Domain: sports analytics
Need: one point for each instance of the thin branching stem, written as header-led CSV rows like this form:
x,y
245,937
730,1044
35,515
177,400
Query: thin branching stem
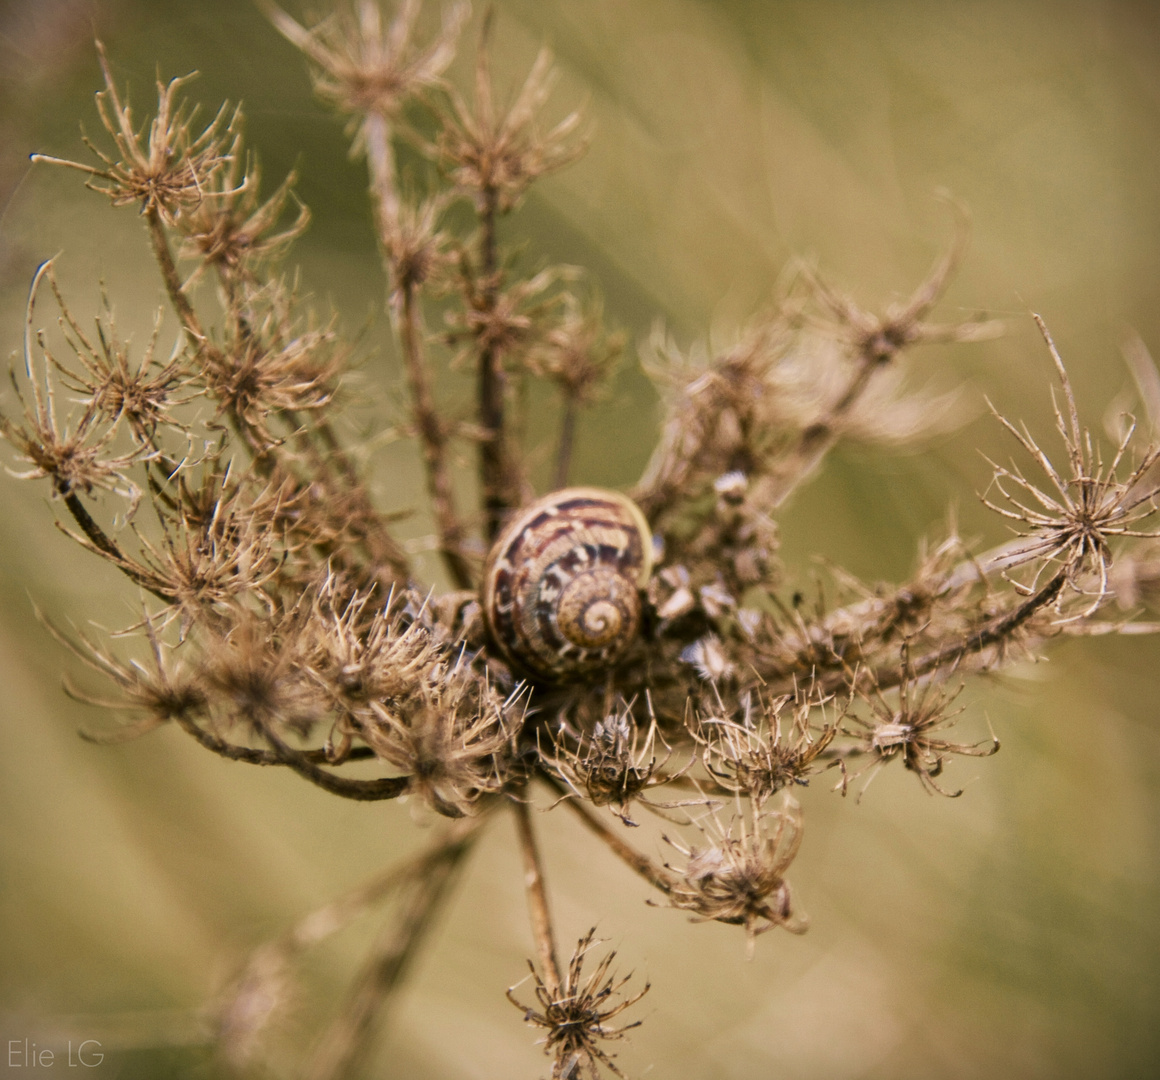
x,y
172,279
996,632
103,542
387,787
349,1037
163,253
381,164
430,428
253,755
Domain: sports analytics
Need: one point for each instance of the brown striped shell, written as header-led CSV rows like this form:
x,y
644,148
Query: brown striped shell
x,y
561,587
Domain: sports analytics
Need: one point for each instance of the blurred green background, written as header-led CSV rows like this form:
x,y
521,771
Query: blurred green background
x,y
1014,932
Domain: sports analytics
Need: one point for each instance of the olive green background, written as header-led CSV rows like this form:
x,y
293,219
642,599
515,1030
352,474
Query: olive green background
x,y
1012,932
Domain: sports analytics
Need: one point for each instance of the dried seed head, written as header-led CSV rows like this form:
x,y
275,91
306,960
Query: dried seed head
x,y
576,1016
1074,519
254,676
165,169
614,765
908,730
363,67
75,455
757,755
451,731
416,249
738,875
877,339
274,360
494,155
365,651
168,689
233,230
577,353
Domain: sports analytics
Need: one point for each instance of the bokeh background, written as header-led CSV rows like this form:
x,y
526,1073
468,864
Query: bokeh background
x,y
1013,932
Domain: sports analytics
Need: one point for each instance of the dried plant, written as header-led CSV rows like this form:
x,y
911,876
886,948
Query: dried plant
x,y
284,625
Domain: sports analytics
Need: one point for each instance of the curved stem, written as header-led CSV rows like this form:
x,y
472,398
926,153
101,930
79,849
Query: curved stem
x,y
103,543
387,787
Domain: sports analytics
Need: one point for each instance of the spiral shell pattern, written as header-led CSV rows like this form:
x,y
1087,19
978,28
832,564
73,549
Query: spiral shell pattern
x,y
561,588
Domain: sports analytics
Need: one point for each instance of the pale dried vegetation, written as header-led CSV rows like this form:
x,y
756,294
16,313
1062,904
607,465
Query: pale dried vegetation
x,y
283,624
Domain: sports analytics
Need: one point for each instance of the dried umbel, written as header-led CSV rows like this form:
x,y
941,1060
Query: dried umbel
x,y
736,874
575,1012
615,764
561,588
285,624
764,751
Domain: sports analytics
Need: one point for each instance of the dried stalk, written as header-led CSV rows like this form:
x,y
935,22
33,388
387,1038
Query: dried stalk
x,y
492,389
432,438
641,864
538,909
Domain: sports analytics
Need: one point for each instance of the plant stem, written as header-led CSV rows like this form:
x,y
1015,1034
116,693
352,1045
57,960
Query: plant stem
x,y
429,426
567,439
387,787
101,541
537,897
381,164
169,275
634,859
994,632
491,389
432,437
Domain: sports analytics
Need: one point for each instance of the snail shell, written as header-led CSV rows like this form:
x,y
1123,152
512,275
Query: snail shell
x,y
561,586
